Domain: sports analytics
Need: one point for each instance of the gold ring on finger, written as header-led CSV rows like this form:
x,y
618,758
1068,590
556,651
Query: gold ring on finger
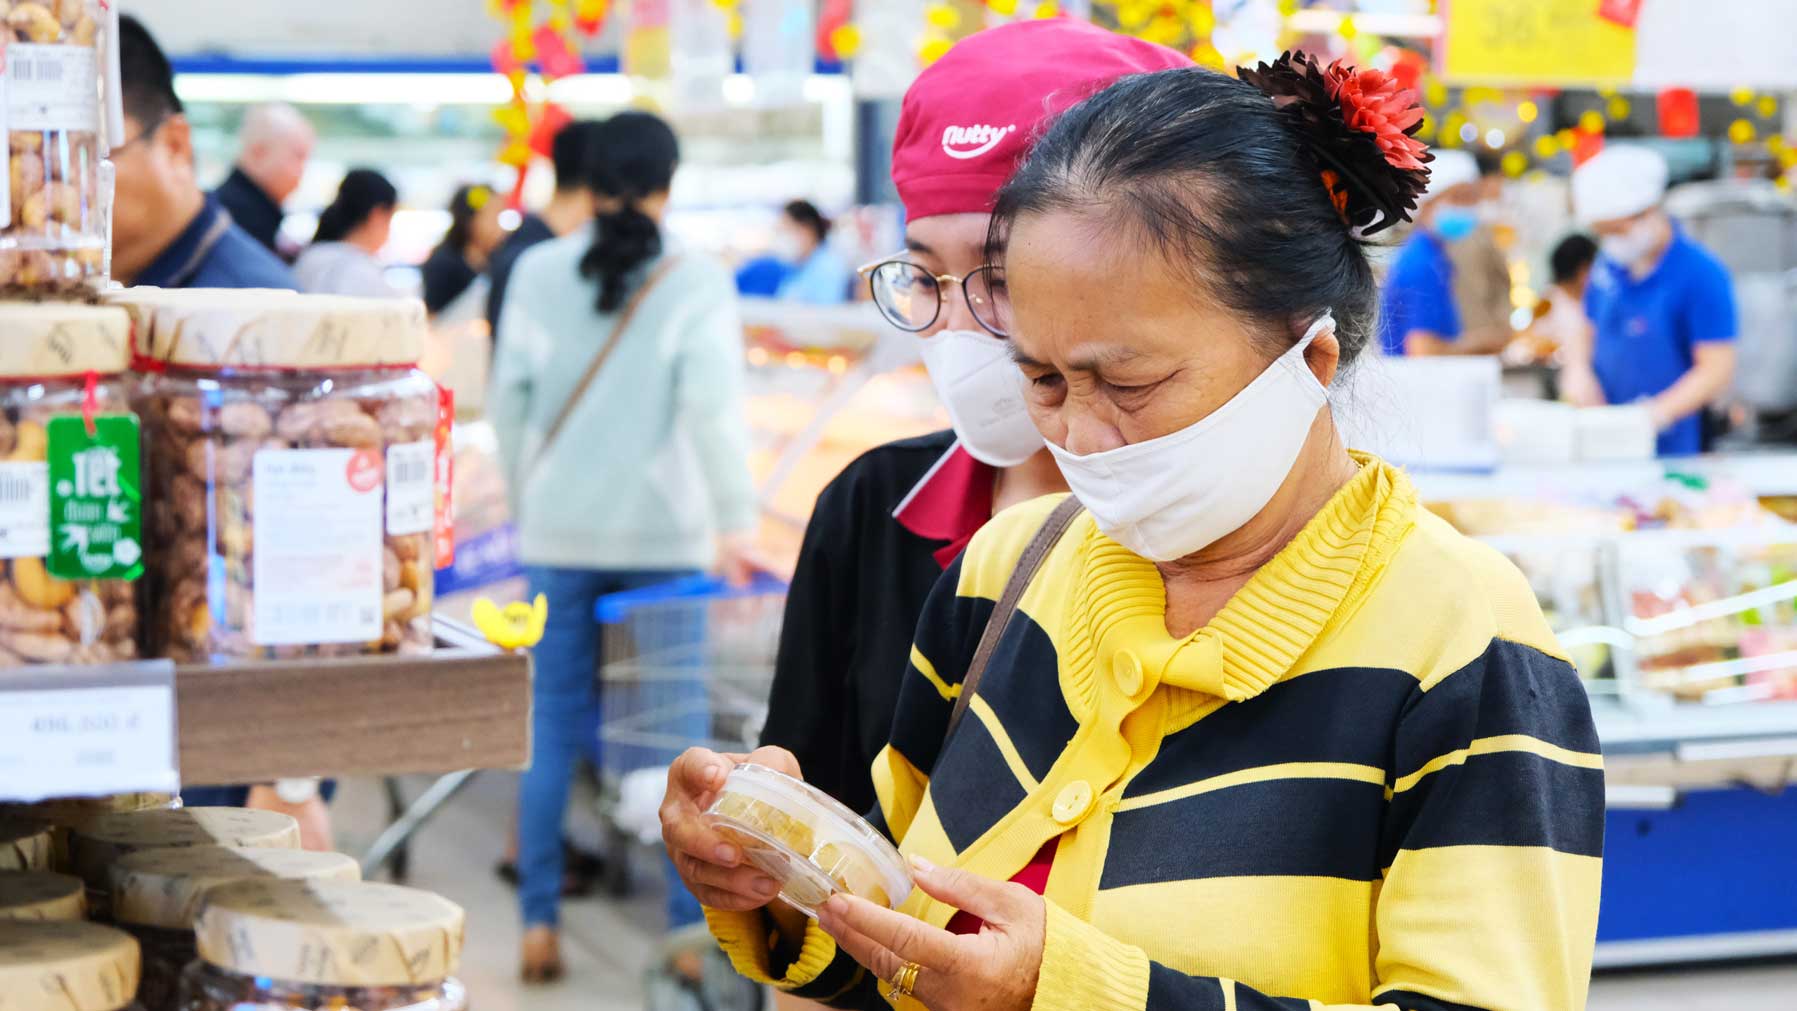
x,y
904,980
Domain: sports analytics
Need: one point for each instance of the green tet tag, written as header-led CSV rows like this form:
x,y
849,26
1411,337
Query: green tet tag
x,y
96,498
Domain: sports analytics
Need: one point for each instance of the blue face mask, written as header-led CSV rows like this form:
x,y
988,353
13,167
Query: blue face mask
x,y
1456,223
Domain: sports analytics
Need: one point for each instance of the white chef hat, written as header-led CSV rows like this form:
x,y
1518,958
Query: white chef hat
x,y
1450,168
1620,182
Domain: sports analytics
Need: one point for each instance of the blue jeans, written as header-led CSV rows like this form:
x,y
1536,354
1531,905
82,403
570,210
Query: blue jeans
x,y
565,727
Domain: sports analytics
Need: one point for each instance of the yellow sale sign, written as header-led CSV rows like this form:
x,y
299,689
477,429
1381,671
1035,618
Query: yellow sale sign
x,y
1535,42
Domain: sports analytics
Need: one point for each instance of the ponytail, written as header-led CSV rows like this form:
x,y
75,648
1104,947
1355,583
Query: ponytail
x,y
362,192
634,157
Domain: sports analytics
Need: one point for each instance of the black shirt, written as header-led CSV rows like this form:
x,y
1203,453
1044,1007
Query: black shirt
x,y
529,232
446,275
878,540
254,211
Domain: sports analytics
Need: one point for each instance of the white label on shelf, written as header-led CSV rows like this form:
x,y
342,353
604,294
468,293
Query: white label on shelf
x,y
411,494
318,546
24,510
83,731
52,87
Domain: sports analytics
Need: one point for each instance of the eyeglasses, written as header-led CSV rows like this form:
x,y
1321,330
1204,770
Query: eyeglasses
x,y
146,133
910,297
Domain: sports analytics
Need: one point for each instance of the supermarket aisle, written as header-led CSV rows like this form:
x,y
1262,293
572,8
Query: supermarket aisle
x,y
607,944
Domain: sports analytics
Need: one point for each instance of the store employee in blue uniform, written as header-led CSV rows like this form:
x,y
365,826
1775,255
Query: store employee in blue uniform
x,y
1662,307
1417,312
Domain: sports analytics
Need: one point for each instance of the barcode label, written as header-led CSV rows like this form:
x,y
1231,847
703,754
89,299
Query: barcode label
x,y
313,614
51,87
411,490
24,510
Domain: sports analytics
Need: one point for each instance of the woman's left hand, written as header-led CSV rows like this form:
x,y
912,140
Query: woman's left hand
x,y
994,970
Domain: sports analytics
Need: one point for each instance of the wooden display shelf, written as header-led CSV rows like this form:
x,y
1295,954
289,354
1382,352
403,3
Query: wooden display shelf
x,y
466,706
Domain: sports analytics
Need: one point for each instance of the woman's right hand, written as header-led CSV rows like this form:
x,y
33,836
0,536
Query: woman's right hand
x,y
712,866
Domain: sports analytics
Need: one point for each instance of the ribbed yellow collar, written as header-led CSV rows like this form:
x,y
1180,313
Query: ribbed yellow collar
x,y
1119,606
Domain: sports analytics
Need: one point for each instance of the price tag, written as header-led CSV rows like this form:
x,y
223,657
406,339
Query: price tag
x,y
96,498
86,731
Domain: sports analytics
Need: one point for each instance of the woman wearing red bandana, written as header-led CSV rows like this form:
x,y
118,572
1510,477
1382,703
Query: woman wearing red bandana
x,y
1262,733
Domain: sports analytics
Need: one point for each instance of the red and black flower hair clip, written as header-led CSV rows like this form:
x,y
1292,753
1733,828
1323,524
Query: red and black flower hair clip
x,y
1362,127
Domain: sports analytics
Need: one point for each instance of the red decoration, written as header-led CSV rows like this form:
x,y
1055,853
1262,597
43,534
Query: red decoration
x,y
833,15
554,55
549,123
505,59
1622,12
1678,113
1586,145
514,201
1372,103
1408,68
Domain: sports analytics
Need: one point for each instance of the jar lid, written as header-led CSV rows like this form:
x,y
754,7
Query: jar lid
x,y
332,933
41,895
162,887
24,844
236,328
78,810
97,845
66,966
62,339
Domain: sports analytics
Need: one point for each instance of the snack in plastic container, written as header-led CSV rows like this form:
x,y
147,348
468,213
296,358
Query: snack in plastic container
x,y
323,945
805,840
41,895
156,895
293,452
66,361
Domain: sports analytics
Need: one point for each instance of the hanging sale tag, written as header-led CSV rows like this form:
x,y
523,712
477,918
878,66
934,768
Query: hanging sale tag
x,y
84,731
96,498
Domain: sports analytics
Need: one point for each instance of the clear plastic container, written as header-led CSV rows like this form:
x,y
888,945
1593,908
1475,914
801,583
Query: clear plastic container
x,y
156,895
54,210
807,841
293,450
59,361
325,946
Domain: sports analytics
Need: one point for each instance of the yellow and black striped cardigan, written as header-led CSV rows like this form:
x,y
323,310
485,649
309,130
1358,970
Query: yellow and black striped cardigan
x,y
1371,780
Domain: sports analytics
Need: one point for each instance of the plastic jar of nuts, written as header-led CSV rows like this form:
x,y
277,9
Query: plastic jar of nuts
x,y
53,212
41,895
156,896
324,946
293,452
57,965
69,461
95,846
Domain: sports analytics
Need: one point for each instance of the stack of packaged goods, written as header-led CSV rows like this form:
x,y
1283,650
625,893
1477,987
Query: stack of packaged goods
x,y
201,908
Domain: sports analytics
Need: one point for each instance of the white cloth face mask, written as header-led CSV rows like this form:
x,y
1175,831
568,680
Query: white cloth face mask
x,y
1169,497
1631,248
982,388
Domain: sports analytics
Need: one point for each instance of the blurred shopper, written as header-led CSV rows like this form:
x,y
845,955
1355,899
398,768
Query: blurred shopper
x,y
277,142
884,530
1481,272
1662,307
1563,323
344,257
166,231
569,209
169,233
802,241
1420,315
618,399
454,267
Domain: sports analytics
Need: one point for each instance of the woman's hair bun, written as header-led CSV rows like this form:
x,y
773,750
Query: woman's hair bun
x,y
1361,127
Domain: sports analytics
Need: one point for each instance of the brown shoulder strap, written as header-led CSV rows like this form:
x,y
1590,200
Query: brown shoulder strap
x,y
1046,538
611,341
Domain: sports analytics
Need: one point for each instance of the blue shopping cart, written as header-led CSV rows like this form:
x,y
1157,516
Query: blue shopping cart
x,y
683,664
